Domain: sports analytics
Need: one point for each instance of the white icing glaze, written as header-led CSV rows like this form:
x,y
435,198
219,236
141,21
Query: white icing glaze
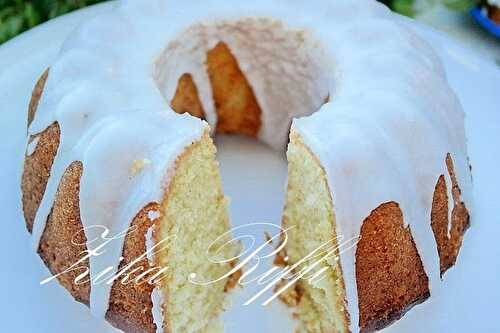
x,y
382,137
153,214
32,146
157,311
156,296
451,203
149,242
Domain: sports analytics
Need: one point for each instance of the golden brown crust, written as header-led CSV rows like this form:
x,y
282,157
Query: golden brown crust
x,y
37,165
36,95
130,307
37,171
236,105
389,272
186,98
58,245
448,246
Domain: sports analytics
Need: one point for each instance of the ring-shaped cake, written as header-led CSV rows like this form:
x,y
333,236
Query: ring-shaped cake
x,y
377,154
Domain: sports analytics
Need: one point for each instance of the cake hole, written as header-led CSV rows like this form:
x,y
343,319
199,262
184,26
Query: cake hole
x,y
250,76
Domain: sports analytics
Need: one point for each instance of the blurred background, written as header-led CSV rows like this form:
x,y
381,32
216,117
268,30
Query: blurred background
x,y
474,22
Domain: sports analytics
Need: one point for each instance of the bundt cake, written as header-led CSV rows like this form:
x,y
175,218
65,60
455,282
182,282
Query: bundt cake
x,y
379,181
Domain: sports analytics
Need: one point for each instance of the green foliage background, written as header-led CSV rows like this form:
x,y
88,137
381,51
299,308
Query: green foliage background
x,y
17,16
408,8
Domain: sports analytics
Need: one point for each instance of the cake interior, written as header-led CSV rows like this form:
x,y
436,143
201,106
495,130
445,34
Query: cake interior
x,y
310,222
196,215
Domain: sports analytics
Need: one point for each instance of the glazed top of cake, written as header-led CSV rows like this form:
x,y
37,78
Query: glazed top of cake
x,y
390,119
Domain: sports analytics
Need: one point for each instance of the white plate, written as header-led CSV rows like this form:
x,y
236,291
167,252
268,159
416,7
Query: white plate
x,y
254,177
